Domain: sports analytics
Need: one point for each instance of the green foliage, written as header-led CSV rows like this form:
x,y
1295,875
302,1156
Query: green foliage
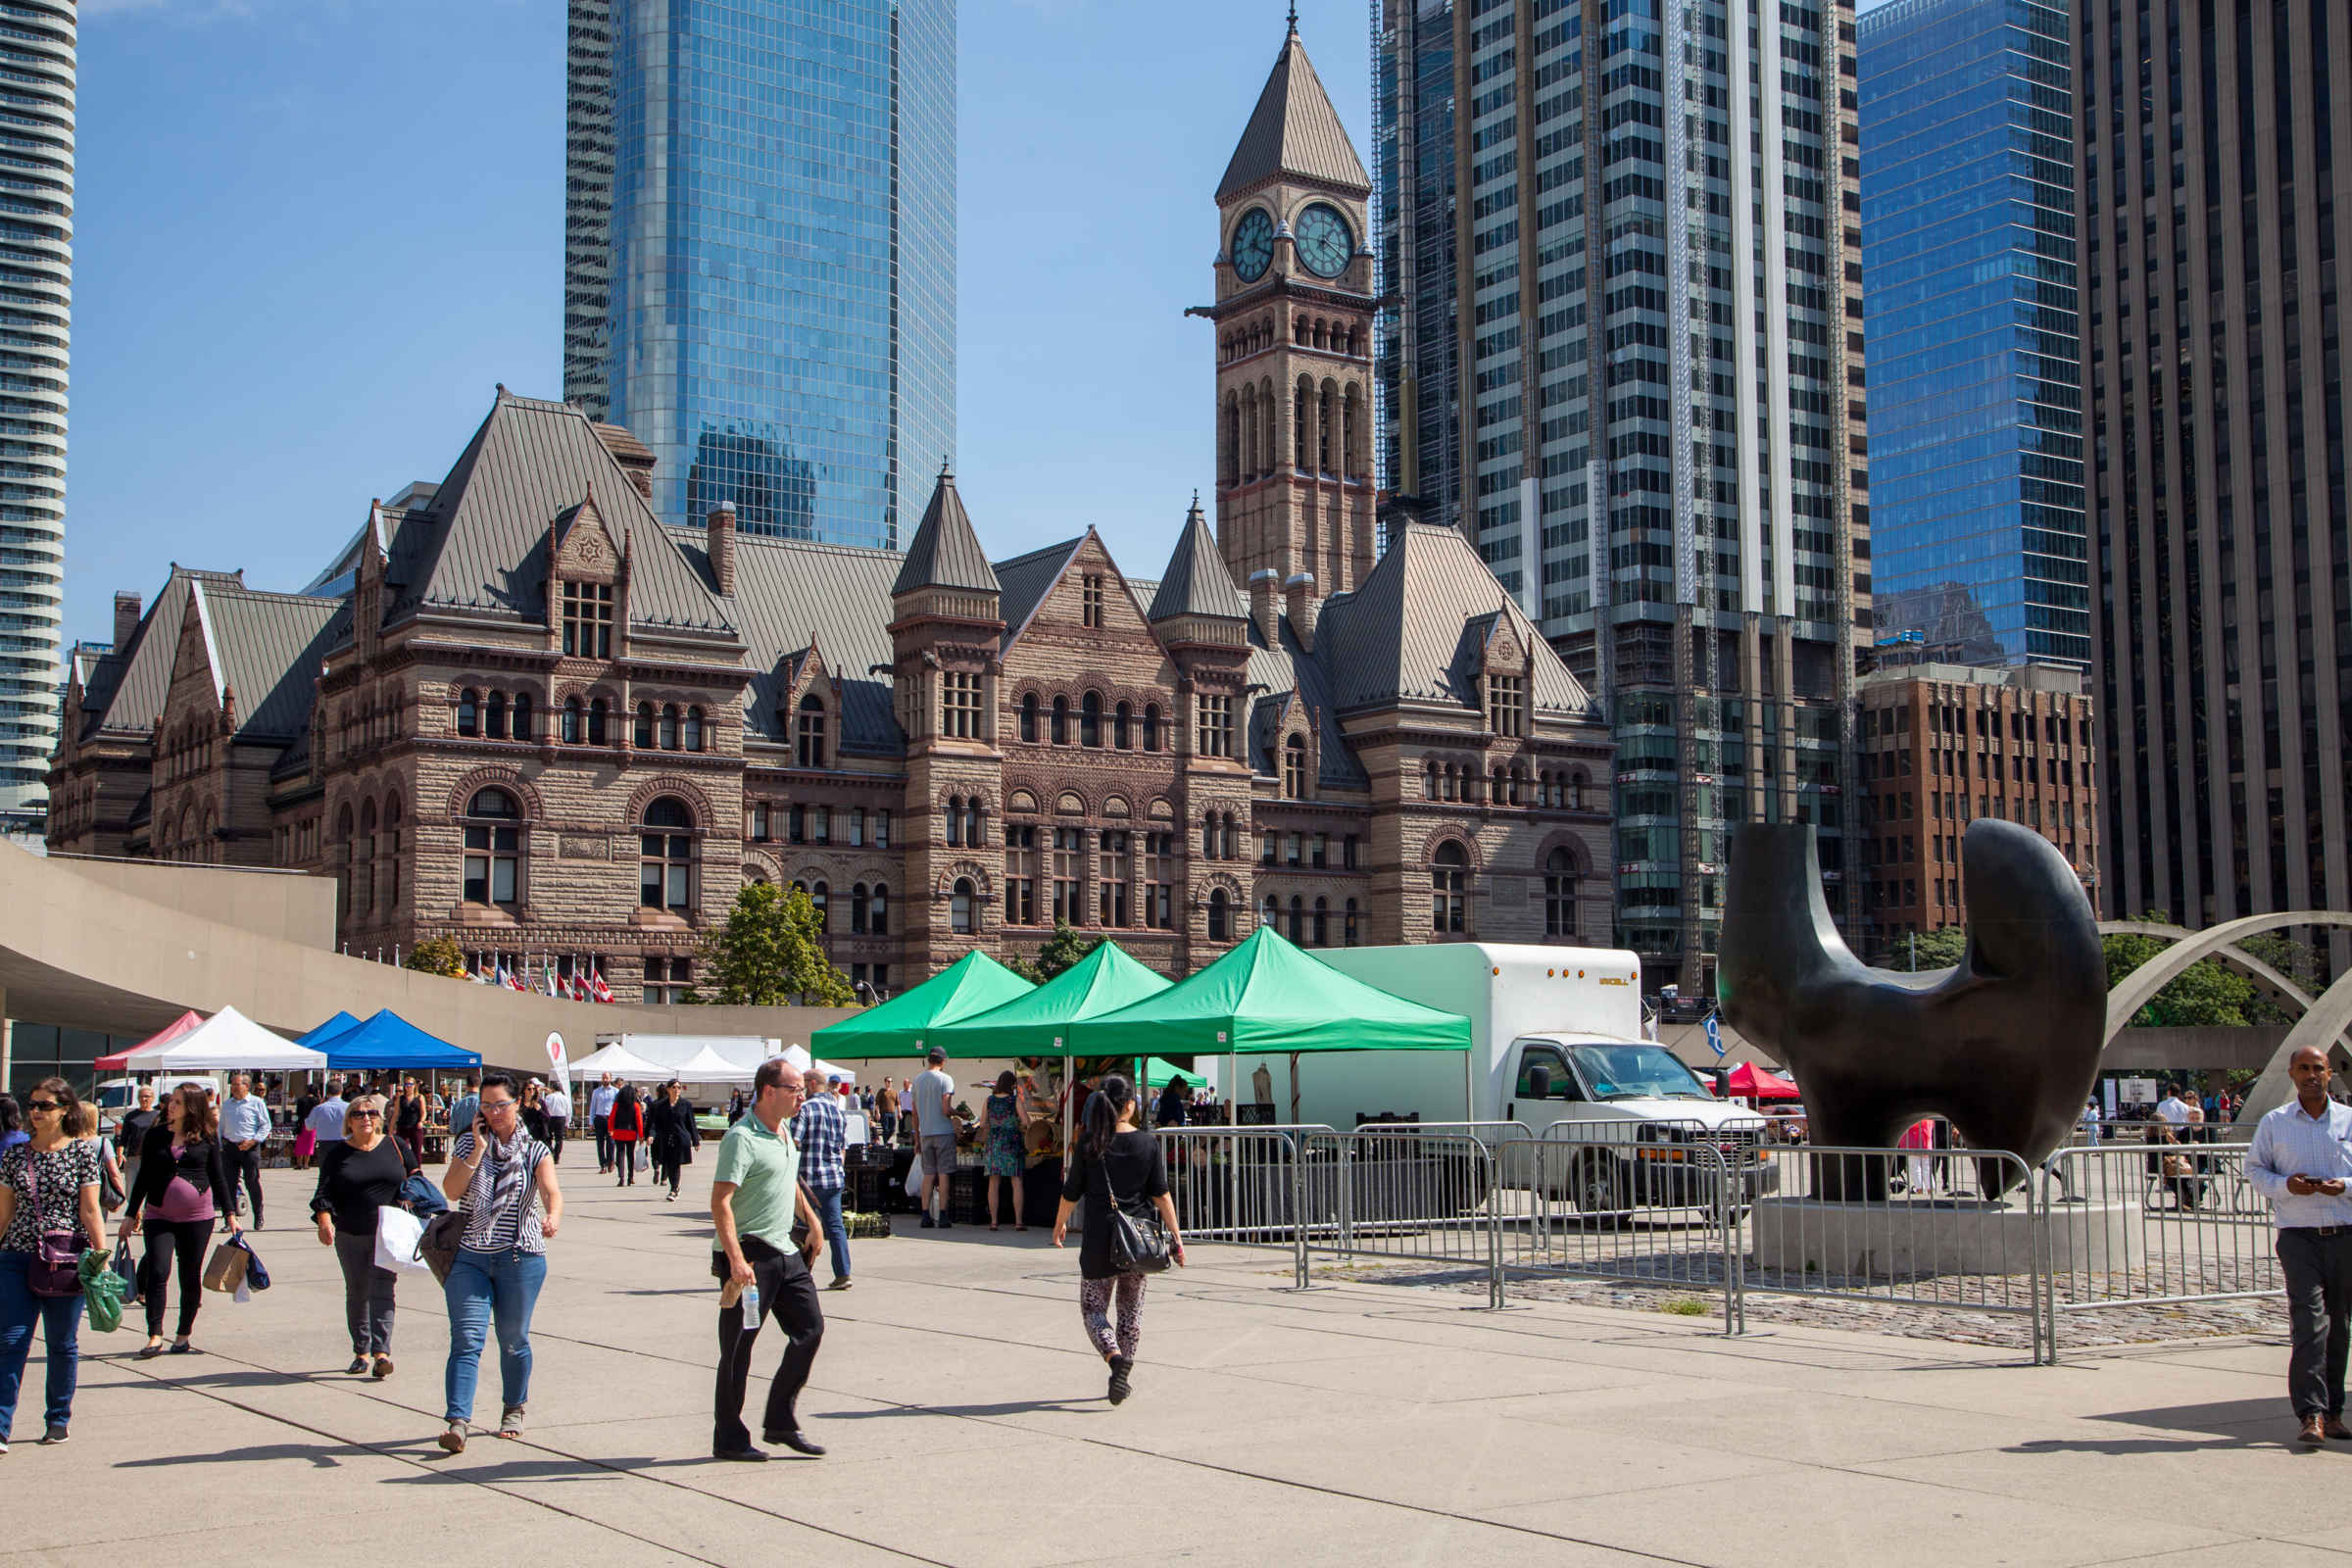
x,y
2205,995
1930,950
437,956
2299,961
770,952
1062,950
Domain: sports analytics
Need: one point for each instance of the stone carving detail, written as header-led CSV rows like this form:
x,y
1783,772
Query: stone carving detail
x,y
579,846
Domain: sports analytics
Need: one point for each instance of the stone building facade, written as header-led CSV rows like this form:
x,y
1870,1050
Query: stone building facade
x,y
523,713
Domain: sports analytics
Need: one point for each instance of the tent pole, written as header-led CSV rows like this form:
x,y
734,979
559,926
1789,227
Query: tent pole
x,y
1233,1142
1469,1090
1293,1089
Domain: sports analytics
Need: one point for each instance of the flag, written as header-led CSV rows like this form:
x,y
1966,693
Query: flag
x,y
546,976
576,987
1714,1035
507,979
597,986
481,975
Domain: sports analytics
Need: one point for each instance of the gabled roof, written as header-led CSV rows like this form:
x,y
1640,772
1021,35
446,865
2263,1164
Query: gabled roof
x,y
1293,131
483,542
945,553
789,594
1027,580
1282,670
266,648
125,692
1400,636
1197,582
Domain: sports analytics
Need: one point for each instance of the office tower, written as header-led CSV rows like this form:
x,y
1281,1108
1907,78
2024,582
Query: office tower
x,y
2214,212
1626,359
1978,541
760,260
36,274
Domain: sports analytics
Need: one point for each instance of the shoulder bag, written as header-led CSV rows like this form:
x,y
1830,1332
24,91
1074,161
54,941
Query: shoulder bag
x,y
56,1261
1139,1241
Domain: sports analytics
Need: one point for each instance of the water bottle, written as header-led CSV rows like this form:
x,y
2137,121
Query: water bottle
x,y
750,1308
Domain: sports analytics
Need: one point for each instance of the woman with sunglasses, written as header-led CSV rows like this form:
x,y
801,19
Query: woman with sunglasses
x,y
358,1177
181,1192
501,1176
48,1192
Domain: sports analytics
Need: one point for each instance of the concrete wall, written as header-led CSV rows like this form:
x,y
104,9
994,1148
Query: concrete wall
x,y
285,905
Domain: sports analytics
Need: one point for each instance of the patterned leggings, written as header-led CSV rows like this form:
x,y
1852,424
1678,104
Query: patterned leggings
x,y
1093,1307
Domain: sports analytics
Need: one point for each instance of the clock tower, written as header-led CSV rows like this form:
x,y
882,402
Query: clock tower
x,y
1294,317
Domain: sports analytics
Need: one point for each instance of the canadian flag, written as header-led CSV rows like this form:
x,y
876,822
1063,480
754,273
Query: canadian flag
x,y
597,986
578,986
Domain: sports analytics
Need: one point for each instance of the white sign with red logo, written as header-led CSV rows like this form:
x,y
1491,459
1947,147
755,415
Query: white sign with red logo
x,y
559,1063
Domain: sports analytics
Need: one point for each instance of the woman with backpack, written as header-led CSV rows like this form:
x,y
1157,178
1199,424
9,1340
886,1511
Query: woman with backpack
x,y
625,1126
358,1178
1115,1168
48,1218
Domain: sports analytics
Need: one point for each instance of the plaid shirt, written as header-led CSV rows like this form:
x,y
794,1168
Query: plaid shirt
x,y
818,1129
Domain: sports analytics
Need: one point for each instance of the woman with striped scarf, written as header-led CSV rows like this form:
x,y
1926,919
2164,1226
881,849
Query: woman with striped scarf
x,y
503,1179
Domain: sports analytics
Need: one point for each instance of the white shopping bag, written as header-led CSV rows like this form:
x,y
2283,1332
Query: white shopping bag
x,y
915,1179
397,1235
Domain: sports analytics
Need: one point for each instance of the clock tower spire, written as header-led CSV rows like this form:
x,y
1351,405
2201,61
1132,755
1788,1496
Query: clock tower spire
x,y
1294,317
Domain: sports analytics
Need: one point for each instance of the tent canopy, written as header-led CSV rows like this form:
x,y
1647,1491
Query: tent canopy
x,y
1266,998
1038,1024
903,1025
178,1028
387,1041
1748,1081
799,1056
707,1066
226,1041
620,1063
328,1030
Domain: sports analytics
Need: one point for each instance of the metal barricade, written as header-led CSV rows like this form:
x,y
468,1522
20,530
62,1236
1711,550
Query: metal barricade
x,y
1402,1191
2155,1224
1240,1185
1640,1202
1947,1228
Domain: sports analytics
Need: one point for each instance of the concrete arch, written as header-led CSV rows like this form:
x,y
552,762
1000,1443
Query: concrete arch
x,y
2136,989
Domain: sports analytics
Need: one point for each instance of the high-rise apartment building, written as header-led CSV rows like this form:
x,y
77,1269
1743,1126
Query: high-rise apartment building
x,y
2214,214
1978,541
38,49
1625,358
760,260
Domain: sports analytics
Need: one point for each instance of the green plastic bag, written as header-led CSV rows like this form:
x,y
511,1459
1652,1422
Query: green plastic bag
x,y
101,1291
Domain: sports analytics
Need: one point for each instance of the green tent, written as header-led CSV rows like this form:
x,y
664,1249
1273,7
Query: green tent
x,y
904,1026
1038,1024
1268,998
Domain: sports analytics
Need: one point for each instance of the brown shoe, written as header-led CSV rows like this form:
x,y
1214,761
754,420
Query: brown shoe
x,y
2334,1426
2315,1430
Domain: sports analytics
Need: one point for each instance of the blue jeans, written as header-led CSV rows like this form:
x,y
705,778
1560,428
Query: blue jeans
x,y
59,1317
483,1287
837,1235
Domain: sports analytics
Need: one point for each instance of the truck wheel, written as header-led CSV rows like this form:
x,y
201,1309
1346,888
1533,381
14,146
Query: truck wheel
x,y
1601,1189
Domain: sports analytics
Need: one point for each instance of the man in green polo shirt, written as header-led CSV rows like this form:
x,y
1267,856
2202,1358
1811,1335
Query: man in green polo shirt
x,y
755,1194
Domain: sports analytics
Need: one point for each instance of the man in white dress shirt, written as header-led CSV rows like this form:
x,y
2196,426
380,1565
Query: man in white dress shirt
x,y
2301,1159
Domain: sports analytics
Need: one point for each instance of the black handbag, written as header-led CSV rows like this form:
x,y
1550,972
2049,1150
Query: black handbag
x,y
1139,1241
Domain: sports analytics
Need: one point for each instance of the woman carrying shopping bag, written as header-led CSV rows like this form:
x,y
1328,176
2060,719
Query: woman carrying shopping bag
x,y
358,1179
1121,1174
182,1189
48,1217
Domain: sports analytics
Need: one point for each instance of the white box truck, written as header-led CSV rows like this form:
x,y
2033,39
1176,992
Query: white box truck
x,y
1555,1036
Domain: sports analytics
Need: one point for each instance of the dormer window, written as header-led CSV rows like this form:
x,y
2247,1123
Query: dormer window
x,y
1091,601
1507,704
1293,768
588,619
811,747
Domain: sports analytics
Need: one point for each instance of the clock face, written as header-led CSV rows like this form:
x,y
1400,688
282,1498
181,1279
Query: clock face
x,y
1325,243
1252,245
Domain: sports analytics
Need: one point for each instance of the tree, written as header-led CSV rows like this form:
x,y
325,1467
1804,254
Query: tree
x,y
1062,950
1930,950
2205,995
2299,961
770,952
437,956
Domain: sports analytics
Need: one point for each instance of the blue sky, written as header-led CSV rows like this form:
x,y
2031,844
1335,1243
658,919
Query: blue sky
x,y
312,235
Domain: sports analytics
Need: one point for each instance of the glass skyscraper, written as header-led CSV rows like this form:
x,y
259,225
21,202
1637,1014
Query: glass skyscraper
x,y
1976,389
760,253
38,49
1626,359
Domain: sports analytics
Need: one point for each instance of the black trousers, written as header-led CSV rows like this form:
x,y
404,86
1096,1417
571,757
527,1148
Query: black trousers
x,y
789,1294
187,1238
603,1142
245,1167
2319,1306
555,1139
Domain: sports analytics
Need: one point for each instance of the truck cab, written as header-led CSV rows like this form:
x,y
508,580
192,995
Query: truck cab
x,y
1624,1122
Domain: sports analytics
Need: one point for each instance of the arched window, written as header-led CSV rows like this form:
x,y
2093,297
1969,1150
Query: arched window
x,y
641,734
1559,895
469,712
1029,717
1220,917
1228,845
522,715
1349,935
955,821
1302,423
960,906
821,896
1449,880
1322,926
1120,735
1496,793
813,731
1428,780
669,726
857,909
1090,720
362,859
1297,920
188,826
1061,721
877,918
1326,428
597,713
1576,792
1293,768
496,717
1151,726
1208,837
665,855
493,849
388,884
971,821
694,729
1271,916
571,721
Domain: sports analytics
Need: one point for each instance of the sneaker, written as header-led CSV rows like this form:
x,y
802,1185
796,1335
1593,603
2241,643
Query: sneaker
x,y
841,1284
55,1435
359,1364
509,1423
946,1224
929,1222
1120,1388
453,1440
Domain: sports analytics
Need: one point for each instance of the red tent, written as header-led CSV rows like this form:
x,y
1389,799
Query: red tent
x,y
1748,1081
185,1024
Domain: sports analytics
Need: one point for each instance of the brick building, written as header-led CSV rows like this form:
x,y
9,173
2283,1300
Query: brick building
x,y
521,712
1945,744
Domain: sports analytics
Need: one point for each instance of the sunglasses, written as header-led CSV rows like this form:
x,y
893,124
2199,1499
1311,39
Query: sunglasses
x,y
41,1104
360,1115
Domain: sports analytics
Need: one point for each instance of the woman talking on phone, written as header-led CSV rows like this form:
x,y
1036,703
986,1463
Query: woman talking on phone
x,y
504,1181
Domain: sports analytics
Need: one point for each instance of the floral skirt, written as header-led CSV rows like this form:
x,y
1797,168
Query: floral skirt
x,y
1004,1154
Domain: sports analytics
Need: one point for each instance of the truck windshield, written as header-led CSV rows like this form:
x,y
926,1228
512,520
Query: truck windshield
x,y
1635,1072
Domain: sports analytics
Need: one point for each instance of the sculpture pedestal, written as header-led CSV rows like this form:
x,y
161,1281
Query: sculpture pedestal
x,y
1903,1239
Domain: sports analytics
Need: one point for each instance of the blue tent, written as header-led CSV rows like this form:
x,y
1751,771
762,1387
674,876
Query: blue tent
x,y
388,1041
328,1030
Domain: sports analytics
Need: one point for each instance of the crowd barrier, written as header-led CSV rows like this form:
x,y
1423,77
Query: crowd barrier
x,y
1724,1213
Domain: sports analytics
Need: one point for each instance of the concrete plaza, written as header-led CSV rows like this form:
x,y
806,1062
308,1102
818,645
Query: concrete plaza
x,y
1358,1424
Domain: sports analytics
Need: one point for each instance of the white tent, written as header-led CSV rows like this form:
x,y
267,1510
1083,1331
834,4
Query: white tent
x,y
707,1066
668,1053
799,1056
226,1041
620,1063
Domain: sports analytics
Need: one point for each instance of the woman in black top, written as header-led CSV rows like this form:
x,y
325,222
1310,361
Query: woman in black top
x,y
180,1190
671,1134
358,1177
409,1121
1114,1165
